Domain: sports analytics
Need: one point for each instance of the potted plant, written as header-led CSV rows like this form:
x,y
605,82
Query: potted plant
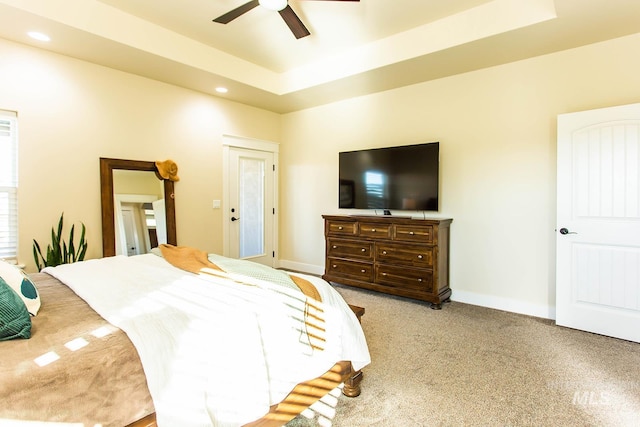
x,y
57,251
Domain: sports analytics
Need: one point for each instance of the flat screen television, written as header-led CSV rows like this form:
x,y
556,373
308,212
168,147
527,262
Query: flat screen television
x,y
392,178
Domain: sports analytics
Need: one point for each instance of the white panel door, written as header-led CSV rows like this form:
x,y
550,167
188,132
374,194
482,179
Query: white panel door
x,y
160,215
598,222
130,231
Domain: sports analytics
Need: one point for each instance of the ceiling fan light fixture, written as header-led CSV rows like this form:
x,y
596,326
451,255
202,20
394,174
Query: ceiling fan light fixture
x,y
276,5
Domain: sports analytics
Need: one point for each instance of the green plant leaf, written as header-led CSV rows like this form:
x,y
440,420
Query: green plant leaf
x,y
58,252
36,252
82,253
82,245
65,253
60,226
72,250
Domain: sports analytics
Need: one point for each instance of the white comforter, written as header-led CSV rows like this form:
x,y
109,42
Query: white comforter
x,y
215,352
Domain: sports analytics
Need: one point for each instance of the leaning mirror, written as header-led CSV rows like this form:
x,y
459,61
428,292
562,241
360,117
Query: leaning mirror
x,y
138,207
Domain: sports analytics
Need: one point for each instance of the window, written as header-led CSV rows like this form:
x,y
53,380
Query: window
x,y
8,184
374,185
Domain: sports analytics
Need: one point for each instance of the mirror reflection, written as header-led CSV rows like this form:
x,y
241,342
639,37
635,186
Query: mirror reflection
x,y
139,212
134,194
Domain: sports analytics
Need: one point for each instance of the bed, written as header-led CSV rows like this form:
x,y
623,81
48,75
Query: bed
x,y
148,340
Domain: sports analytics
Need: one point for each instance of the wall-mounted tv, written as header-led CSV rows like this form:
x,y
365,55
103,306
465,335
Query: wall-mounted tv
x,y
392,178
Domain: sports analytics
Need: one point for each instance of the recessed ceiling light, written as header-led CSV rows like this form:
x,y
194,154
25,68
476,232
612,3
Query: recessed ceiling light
x,y
39,36
221,89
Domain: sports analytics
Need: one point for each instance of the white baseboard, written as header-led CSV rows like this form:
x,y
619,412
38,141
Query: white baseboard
x,y
504,304
473,298
301,267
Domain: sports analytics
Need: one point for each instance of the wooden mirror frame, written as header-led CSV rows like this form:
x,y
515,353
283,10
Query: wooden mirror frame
x,y
107,166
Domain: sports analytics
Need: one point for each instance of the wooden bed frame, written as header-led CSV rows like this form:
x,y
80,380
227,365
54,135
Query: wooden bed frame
x,y
303,395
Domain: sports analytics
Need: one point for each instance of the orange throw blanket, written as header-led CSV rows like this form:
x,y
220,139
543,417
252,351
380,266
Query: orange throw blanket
x,y
194,260
187,258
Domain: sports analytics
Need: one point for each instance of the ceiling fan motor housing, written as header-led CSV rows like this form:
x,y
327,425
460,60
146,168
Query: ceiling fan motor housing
x,y
281,6
276,5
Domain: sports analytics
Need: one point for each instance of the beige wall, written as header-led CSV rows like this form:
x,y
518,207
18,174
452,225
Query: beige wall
x,y
71,113
137,182
496,129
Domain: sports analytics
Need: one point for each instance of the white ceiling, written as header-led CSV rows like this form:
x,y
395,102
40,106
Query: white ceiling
x,y
355,48
261,36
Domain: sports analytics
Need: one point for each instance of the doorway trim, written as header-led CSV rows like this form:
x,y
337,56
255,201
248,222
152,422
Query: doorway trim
x,y
121,244
232,141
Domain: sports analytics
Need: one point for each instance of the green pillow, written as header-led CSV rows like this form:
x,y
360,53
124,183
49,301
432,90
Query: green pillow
x,y
22,285
15,321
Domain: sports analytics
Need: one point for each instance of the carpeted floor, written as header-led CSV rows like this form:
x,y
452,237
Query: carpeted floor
x,y
471,366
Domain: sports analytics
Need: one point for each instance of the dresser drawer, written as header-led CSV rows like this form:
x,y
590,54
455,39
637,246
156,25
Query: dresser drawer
x,y
405,278
352,269
414,233
349,249
343,228
375,230
402,254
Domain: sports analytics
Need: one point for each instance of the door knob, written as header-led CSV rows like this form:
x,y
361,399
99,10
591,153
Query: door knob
x,y
233,218
566,231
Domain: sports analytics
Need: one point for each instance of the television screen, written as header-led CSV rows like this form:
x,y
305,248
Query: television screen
x,y
393,178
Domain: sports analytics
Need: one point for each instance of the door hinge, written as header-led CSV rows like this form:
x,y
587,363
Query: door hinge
x,y
274,167
273,254
274,211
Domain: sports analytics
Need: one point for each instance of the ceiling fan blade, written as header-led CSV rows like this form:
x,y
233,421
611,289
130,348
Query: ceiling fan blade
x,y
295,24
241,10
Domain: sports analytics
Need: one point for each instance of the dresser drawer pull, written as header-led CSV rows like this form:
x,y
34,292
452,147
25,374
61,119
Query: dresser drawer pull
x,y
363,271
364,249
419,280
373,230
384,252
334,247
384,274
411,233
419,256
340,228
334,266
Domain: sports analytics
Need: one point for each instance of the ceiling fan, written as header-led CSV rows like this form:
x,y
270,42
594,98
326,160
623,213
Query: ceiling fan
x,y
281,6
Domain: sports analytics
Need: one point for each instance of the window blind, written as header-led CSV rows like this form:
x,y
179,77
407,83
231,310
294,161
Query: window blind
x,y
8,185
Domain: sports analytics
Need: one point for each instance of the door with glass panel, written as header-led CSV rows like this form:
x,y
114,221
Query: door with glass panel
x,y
250,208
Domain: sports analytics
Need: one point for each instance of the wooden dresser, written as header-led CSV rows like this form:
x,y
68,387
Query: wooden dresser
x,y
395,255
